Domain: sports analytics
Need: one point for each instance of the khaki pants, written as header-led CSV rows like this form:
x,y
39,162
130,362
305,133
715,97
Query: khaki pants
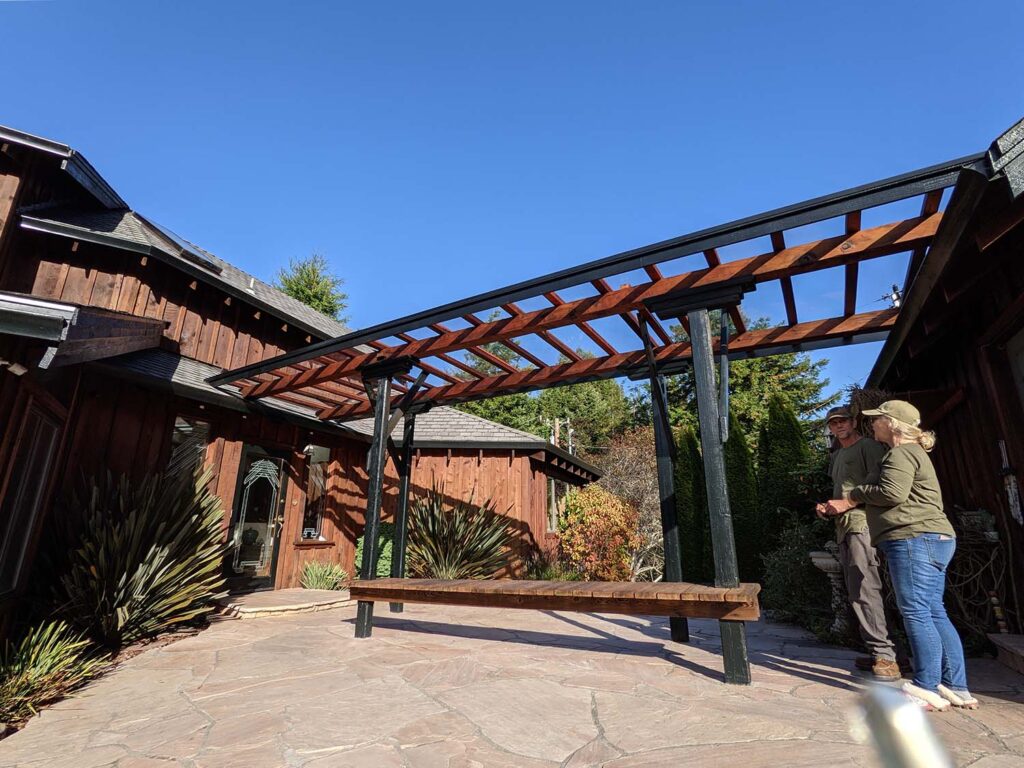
x,y
864,587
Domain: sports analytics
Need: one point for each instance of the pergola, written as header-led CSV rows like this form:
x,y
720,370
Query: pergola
x,y
410,364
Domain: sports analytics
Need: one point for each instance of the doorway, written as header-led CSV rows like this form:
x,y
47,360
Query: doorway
x,y
257,521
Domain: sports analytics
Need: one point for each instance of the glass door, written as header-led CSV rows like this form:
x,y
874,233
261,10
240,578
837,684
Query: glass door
x,y
257,521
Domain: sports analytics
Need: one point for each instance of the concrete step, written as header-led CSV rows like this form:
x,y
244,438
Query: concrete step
x,y
1011,650
278,602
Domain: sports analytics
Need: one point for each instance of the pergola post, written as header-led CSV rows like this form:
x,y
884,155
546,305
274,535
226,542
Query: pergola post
x,y
374,494
734,638
402,510
664,446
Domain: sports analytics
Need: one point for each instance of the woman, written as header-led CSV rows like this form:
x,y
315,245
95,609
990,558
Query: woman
x,y
908,525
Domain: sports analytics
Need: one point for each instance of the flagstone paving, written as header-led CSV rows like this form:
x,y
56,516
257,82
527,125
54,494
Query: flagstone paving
x,y
448,687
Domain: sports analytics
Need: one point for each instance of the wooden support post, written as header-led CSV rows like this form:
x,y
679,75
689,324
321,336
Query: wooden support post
x,y
402,510
734,638
664,447
374,496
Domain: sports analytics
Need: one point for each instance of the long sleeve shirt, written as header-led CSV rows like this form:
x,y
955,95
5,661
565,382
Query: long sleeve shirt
x,y
903,499
850,467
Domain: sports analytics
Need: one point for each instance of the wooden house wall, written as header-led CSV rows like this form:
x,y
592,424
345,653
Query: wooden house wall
x,y
203,322
954,365
123,427
509,478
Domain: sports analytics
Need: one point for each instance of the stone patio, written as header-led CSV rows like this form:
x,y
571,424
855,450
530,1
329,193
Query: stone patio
x,y
454,687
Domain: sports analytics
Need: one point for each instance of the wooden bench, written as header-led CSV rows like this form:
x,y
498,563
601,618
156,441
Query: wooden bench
x,y
637,598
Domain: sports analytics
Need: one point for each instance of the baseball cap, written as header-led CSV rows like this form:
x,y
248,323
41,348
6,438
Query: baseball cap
x,y
839,412
900,410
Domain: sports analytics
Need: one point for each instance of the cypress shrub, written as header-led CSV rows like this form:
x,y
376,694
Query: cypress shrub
x,y
743,502
691,508
783,456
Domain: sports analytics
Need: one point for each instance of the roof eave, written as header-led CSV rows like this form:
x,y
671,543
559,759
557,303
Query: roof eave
x,y
194,270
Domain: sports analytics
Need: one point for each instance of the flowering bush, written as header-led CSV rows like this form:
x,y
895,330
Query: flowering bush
x,y
598,533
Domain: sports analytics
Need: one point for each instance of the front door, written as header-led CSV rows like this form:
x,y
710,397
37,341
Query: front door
x,y
257,521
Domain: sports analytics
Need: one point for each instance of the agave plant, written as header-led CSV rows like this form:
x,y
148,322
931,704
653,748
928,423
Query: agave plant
x,y
48,663
139,557
460,541
317,574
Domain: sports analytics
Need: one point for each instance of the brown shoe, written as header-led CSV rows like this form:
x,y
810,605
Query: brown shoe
x,y
886,669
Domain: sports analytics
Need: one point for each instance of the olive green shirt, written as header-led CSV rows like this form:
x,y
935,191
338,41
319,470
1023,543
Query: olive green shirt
x,y
852,466
903,498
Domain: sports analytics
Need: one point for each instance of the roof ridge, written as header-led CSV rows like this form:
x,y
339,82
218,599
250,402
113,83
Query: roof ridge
x,y
498,424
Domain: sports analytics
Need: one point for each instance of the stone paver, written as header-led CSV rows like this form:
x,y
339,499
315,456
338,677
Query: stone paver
x,y
447,687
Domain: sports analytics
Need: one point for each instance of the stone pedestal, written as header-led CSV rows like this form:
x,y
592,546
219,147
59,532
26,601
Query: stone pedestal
x,y
827,562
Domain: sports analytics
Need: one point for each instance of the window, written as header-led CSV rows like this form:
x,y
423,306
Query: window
x,y
26,491
316,499
188,445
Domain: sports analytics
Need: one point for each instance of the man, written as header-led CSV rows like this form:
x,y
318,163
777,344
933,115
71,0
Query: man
x,y
856,458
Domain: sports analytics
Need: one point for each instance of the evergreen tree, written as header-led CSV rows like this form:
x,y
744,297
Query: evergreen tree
x,y
752,385
691,508
596,410
311,281
784,456
743,502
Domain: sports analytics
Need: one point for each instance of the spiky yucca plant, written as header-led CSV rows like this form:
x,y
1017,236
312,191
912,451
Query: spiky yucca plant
x,y
139,557
49,662
317,574
460,541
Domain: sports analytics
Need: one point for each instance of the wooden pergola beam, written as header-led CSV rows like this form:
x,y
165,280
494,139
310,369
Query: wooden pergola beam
x,y
820,254
617,365
597,338
509,343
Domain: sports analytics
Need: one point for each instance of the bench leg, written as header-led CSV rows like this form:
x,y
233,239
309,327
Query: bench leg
x,y
364,618
679,629
734,652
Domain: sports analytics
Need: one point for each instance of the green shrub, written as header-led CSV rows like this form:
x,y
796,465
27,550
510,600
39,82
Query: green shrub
x,y
385,540
743,502
317,574
133,559
598,533
49,662
460,541
692,509
783,455
794,589
547,566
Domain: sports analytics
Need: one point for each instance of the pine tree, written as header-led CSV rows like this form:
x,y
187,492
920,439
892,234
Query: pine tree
x,y
783,458
311,281
743,502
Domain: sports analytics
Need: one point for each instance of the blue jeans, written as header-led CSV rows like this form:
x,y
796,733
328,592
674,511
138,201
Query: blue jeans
x,y
918,570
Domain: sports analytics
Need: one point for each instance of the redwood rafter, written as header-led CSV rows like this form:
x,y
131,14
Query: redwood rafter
x,y
761,339
776,265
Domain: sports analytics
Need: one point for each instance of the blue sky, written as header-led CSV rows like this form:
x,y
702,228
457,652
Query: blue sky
x,y
436,150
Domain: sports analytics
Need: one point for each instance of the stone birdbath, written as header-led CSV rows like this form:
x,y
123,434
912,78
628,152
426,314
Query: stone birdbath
x,y
827,562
